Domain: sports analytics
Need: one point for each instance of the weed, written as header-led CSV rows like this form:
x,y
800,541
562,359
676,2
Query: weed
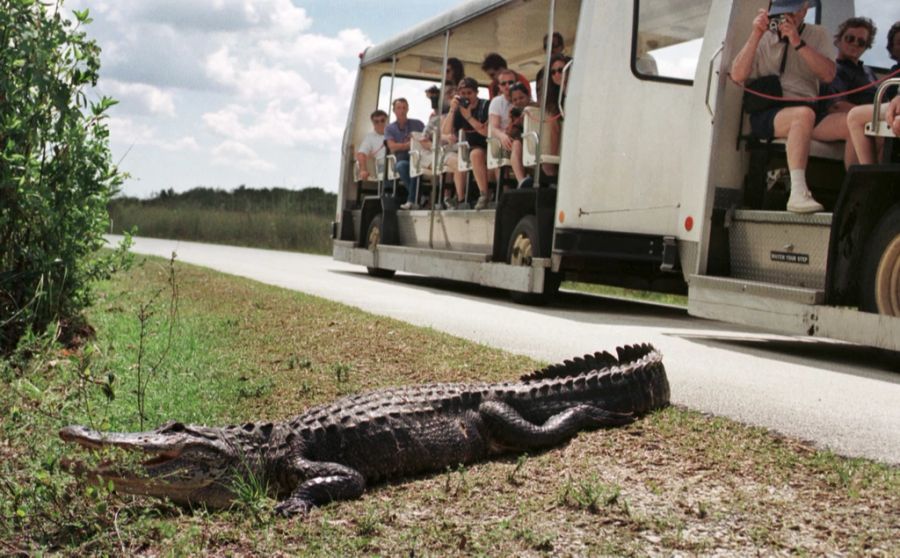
x,y
256,389
146,311
590,494
451,488
341,373
370,522
511,475
252,495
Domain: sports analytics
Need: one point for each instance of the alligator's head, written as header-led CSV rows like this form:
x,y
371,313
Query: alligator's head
x,y
186,463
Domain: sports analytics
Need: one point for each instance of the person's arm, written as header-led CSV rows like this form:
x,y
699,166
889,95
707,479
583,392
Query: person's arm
x,y
476,124
823,67
447,124
397,146
742,66
893,115
499,133
363,169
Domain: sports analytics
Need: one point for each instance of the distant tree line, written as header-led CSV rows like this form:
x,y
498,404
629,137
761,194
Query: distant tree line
x,y
276,218
311,200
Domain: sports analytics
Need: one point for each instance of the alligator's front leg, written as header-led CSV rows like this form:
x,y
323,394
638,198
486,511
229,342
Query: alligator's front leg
x,y
510,430
320,483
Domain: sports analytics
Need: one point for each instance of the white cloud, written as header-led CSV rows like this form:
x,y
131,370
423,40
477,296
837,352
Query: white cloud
x,y
141,97
236,154
125,131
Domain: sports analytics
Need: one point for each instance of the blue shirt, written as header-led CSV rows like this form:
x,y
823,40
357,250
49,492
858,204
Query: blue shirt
x,y
851,75
393,132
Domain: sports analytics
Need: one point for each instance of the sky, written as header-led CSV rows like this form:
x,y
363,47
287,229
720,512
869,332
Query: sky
x,y
224,93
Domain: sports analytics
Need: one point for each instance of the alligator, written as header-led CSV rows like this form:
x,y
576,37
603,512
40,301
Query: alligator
x,y
331,452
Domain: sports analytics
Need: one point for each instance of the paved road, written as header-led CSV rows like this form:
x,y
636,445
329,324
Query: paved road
x,y
841,396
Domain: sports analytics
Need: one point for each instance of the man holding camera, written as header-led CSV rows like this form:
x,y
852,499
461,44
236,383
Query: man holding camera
x,y
469,114
780,39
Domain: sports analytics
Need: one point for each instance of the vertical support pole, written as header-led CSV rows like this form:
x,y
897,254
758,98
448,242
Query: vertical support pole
x,y
389,111
545,86
437,181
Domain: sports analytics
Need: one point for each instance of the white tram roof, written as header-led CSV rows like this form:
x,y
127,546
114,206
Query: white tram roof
x,y
516,31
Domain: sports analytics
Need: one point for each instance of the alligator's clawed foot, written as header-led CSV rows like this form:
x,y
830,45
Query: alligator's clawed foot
x,y
292,507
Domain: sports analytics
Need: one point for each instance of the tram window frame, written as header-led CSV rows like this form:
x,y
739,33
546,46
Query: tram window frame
x,y
636,39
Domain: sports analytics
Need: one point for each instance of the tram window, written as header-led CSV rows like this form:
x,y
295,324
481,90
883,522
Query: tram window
x,y
411,89
668,38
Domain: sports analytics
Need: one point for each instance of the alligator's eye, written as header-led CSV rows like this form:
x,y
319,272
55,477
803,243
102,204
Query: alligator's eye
x,y
173,428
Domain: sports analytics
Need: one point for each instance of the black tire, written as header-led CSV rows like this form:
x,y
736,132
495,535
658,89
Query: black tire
x,y
879,287
373,239
523,246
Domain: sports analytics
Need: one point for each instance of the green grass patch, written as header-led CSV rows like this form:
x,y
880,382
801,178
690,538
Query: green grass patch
x,y
632,294
675,482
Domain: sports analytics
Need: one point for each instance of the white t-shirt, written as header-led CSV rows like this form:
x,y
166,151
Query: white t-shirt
x,y
797,80
500,106
372,145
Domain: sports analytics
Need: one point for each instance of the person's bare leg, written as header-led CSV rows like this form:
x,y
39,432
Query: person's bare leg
x,y
796,124
835,127
863,146
478,158
832,128
555,133
515,161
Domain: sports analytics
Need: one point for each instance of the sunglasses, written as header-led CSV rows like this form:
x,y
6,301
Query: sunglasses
x,y
556,71
850,39
507,83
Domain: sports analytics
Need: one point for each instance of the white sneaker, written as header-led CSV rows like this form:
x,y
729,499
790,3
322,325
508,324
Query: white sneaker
x,y
803,202
409,205
482,202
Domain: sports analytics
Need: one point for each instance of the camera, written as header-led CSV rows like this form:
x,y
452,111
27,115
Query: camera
x,y
515,112
463,102
775,22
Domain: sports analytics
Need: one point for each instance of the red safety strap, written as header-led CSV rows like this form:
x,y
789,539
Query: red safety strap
x,y
820,97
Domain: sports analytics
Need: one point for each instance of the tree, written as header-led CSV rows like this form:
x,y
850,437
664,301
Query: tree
x,y
56,170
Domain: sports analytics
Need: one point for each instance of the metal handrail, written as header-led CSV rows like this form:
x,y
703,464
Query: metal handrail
x,y
876,106
709,77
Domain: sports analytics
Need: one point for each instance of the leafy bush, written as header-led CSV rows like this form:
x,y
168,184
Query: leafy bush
x,y
56,174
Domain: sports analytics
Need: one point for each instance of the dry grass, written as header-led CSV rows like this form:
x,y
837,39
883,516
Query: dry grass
x,y
676,482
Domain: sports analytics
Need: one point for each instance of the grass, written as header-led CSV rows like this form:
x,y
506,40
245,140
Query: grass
x,y
272,229
675,482
631,294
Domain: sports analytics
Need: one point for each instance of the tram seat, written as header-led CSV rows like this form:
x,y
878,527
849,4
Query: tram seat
x,y
422,159
465,162
370,166
391,161
496,156
530,140
833,150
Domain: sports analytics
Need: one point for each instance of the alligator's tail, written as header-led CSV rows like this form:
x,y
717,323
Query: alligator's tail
x,y
635,382
595,362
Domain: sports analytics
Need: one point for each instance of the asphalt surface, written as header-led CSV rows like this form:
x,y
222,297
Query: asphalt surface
x,y
837,395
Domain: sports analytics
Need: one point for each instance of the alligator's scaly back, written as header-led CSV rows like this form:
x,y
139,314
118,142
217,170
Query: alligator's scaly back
x,y
332,451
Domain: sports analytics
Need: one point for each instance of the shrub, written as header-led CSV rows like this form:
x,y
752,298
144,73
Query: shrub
x,y
56,174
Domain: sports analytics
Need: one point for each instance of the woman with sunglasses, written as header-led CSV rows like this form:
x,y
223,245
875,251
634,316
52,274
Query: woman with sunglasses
x,y
854,37
556,97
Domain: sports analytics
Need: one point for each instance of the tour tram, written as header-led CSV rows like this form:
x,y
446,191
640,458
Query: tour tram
x,y
659,185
